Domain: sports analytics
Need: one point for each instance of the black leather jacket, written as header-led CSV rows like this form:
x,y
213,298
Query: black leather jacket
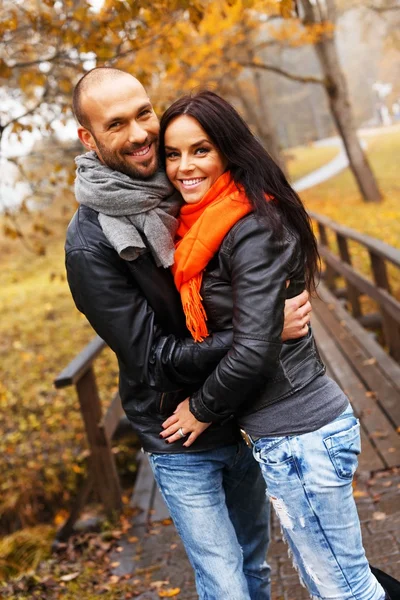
x,y
129,305
244,288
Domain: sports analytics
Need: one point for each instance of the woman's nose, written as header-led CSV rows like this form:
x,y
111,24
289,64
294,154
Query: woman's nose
x,y
185,164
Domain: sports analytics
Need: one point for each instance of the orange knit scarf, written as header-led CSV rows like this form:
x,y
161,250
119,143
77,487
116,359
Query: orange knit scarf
x,y
202,227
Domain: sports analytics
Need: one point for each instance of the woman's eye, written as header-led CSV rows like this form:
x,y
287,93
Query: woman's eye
x,y
202,151
171,155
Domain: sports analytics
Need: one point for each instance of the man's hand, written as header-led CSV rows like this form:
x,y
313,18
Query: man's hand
x,y
183,421
297,317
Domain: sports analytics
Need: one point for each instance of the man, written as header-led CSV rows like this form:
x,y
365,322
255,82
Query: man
x,y
214,492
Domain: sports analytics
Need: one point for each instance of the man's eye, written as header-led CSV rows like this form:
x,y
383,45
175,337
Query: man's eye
x,y
115,124
145,113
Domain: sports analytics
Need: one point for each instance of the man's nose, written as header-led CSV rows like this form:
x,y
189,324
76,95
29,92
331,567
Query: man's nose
x,y
137,135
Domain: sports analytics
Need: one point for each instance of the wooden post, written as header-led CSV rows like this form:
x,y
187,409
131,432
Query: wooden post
x,y
102,461
329,274
391,328
352,292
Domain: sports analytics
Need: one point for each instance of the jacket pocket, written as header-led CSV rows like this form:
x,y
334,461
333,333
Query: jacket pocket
x,y
168,401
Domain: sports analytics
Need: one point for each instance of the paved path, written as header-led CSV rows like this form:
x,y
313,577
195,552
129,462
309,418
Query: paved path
x,y
332,168
157,560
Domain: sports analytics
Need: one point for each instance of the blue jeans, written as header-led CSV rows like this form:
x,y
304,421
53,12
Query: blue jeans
x,y
309,482
218,503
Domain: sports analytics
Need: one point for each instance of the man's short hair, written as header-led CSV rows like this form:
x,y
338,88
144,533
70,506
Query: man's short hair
x,y
92,77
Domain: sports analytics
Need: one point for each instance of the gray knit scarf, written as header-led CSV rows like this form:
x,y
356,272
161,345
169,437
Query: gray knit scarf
x,y
130,209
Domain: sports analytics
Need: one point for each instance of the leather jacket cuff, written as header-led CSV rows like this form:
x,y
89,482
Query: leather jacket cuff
x,y
186,362
204,414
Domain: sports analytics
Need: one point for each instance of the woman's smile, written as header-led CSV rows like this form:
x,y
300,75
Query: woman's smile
x,y
193,162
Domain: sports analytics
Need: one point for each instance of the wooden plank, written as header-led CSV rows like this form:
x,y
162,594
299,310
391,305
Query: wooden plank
x,y
80,364
376,424
364,285
112,416
369,459
386,364
352,292
380,248
159,510
143,492
364,364
106,479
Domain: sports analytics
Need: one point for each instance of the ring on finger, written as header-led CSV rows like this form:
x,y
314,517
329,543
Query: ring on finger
x,y
180,431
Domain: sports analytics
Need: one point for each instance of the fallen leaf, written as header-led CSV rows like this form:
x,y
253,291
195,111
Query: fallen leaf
x,y
169,593
359,494
370,361
115,564
133,539
70,576
158,584
380,434
379,516
113,579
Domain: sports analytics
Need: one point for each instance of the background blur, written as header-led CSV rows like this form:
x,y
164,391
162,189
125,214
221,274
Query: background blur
x,y
305,75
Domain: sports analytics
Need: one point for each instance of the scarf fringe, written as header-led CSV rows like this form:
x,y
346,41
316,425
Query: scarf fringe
x,y
196,316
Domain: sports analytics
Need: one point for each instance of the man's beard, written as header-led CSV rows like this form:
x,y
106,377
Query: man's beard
x,y
117,163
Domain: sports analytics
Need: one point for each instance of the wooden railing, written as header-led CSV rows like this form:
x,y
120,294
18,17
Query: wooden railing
x,y
102,472
379,289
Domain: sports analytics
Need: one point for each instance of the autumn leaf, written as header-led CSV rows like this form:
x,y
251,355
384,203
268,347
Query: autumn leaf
x,y
169,593
70,576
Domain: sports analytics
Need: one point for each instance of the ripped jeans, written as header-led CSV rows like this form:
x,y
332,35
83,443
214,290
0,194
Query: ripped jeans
x,y
309,482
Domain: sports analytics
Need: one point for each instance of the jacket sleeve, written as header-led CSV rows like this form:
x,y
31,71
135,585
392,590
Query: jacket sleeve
x,y
259,266
120,314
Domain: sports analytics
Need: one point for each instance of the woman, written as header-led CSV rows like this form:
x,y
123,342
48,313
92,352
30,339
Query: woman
x,y
245,244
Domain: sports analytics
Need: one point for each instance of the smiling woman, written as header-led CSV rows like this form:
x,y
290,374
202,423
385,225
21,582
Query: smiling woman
x,y
194,166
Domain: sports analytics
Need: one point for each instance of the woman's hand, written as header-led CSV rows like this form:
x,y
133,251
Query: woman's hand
x,y
184,421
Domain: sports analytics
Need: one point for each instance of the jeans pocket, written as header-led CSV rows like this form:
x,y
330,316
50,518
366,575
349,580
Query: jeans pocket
x,y
343,448
273,451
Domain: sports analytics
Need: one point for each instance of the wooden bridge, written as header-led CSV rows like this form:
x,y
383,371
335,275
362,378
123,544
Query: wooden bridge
x,y
361,350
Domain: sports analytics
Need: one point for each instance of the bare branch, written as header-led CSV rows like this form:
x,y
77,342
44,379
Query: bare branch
x,y
28,112
284,73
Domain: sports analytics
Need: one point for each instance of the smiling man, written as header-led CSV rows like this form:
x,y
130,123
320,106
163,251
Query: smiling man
x,y
118,250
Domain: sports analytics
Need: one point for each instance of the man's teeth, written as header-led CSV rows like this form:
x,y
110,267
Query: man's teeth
x,y
192,181
141,152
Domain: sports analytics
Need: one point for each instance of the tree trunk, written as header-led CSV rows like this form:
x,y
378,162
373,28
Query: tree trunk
x,y
339,102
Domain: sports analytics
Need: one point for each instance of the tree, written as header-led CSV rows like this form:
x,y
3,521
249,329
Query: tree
x,y
337,92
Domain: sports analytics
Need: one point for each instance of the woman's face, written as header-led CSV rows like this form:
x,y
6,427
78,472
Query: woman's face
x,y
193,163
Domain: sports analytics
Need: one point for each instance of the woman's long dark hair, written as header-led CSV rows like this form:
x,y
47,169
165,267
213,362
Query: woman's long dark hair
x,y
250,166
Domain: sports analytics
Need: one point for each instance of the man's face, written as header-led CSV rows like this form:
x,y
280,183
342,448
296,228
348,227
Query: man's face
x,y
123,126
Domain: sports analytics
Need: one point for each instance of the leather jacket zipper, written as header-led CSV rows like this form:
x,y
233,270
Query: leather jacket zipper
x,y
162,401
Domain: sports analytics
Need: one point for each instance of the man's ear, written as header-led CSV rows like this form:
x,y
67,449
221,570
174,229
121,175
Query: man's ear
x,y
86,138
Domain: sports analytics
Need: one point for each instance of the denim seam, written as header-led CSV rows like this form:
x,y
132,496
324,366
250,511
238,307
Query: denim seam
x,y
319,524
